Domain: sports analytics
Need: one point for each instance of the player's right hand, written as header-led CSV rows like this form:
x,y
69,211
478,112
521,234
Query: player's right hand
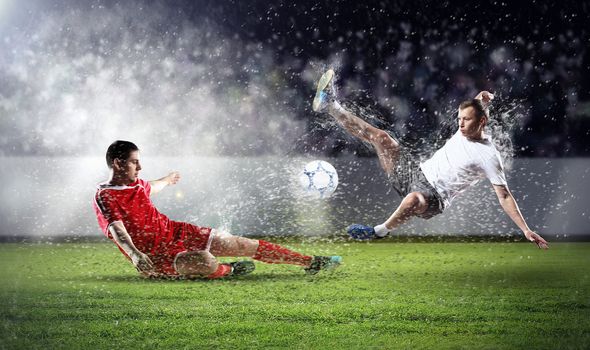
x,y
538,240
143,264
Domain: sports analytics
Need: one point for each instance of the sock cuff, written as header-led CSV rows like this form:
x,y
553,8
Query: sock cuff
x,y
262,246
336,106
381,230
222,270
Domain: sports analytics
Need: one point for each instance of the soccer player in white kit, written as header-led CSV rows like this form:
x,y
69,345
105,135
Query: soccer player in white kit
x,y
429,187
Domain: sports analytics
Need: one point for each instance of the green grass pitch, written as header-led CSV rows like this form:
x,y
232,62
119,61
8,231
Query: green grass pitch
x,y
386,295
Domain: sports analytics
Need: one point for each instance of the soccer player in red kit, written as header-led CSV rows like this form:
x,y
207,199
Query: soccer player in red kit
x,y
160,247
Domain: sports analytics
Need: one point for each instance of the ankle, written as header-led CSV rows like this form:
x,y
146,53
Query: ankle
x,y
335,108
221,271
382,230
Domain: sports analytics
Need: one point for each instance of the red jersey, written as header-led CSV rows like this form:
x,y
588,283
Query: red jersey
x,y
149,229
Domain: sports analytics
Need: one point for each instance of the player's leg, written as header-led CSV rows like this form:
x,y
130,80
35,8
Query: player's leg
x,y
413,204
225,244
203,264
385,146
192,257
195,263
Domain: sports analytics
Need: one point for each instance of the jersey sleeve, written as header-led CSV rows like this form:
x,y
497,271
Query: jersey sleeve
x,y
494,170
146,185
109,207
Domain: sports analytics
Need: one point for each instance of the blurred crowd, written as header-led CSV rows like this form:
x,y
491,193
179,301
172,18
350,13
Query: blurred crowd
x,y
411,64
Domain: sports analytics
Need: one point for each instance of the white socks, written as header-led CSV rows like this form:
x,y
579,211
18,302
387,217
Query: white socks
x,y
335,107
381,230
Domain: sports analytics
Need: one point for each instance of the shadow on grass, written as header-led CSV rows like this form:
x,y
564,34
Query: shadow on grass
x,y
256,277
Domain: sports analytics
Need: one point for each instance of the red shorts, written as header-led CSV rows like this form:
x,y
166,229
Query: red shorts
x,y
186,237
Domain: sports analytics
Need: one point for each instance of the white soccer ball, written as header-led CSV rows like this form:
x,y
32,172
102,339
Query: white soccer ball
x,y
319,179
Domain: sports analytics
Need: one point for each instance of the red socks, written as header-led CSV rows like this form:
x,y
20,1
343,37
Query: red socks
x,y
222,271
269,253
275,254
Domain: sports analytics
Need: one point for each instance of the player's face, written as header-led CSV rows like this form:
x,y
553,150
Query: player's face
x,y
469,124
130,168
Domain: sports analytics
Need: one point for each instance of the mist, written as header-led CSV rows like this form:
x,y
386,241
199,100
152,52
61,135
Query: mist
x,y
81,76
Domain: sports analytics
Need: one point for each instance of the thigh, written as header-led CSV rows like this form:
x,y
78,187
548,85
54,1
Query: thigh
x,y
225,244
387,149
196,263
434,206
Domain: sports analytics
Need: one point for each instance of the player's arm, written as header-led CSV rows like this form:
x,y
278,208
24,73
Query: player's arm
x,y
170,179
511,208
141,261
485,97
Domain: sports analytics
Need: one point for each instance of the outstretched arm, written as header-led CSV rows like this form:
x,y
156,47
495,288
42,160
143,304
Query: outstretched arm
x,y
170,179
511,208
141,261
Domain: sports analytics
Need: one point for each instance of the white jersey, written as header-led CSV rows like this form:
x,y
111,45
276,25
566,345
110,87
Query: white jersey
x,y
461,163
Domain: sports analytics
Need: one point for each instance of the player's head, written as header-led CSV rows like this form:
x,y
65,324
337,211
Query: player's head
x,y
123,158
473,117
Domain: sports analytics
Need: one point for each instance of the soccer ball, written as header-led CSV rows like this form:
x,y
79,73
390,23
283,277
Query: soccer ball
x,y
319,179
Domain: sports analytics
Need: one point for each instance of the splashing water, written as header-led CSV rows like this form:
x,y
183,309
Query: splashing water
x,y
506,116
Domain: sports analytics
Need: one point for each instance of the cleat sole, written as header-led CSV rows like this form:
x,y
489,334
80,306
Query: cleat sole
x,y
322,83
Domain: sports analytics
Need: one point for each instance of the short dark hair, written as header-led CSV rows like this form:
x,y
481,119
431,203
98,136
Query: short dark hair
x,y
119,150
480,110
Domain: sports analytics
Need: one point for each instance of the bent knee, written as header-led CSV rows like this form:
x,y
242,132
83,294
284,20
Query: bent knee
x,y
385,140
195,263
416,202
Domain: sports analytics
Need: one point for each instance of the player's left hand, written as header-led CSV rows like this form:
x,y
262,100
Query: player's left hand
x,y
173,178
485,96
535,238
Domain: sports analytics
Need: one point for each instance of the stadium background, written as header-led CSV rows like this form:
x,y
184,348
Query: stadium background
x,y
231,83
